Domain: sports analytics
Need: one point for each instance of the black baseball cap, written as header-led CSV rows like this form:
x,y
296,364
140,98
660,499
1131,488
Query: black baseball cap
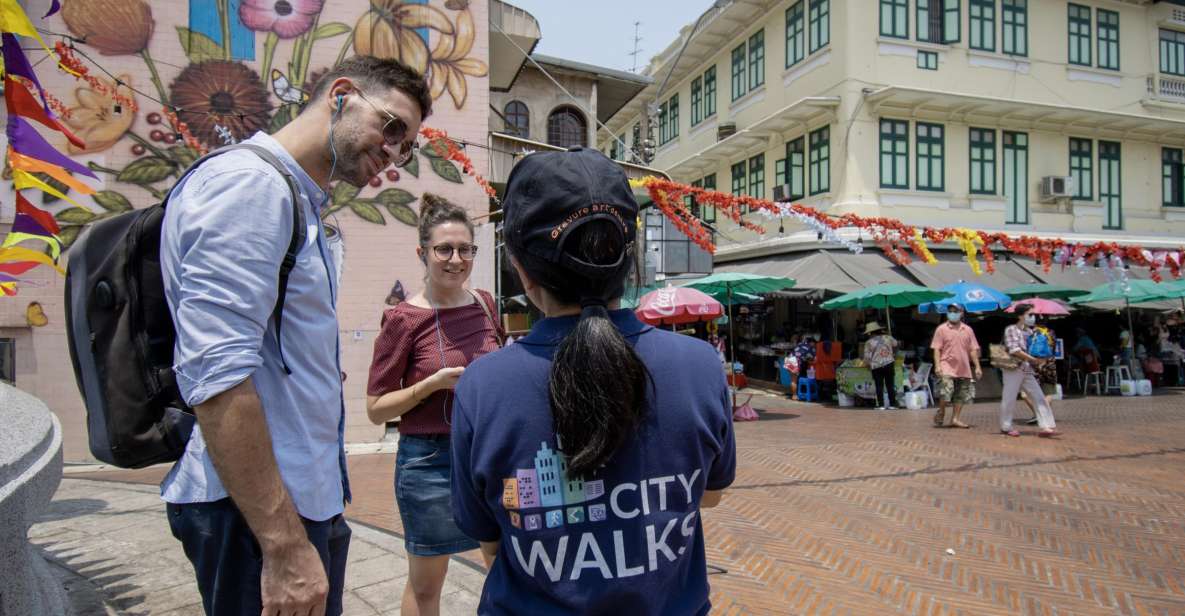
x,y
550,194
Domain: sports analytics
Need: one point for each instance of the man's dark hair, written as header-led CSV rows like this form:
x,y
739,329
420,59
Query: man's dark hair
x,y
369,73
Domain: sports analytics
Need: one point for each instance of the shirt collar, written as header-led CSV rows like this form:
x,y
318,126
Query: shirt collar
x,y
315,195
551,331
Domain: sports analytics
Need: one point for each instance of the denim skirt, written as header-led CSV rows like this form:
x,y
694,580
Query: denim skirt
x,y
423,468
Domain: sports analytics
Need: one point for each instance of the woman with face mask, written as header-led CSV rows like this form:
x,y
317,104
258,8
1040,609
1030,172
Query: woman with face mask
x,y
1023,377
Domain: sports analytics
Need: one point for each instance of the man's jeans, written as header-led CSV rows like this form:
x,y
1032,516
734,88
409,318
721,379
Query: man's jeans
x,y
228,561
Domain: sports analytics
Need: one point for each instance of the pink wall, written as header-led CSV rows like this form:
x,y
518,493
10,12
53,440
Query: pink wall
x,y
375,255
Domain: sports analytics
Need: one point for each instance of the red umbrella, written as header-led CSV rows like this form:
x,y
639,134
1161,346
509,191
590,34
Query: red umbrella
x,y
677,305
1045,307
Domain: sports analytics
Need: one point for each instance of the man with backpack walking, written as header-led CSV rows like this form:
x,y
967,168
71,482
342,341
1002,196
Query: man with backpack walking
x,y
257,497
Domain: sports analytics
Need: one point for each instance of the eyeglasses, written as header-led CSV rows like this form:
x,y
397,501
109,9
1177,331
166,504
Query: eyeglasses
x,y
395,134
444,252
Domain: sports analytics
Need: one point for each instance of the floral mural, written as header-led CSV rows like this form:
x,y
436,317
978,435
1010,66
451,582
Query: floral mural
x,y
155,127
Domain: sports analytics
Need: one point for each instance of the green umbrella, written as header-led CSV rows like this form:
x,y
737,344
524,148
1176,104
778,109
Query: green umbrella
x,y
735,282
1134,292
885,296
731,283
1044,291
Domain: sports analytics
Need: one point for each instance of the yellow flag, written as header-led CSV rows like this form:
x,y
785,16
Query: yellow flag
x,y
22,180
18,253
13,19
15,238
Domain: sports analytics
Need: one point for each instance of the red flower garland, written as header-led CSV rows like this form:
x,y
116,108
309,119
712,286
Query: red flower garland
x,y
70,63
896,238
446,147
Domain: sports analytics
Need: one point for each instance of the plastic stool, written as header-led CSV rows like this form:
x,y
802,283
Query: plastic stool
x,y
1115,376
808,389
1097,379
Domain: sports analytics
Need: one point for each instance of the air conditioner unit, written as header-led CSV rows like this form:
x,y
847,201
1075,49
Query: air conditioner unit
x,y
1054,187
782,193
725,130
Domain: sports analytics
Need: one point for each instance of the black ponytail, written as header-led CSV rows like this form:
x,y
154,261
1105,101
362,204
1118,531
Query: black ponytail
x,y
598,383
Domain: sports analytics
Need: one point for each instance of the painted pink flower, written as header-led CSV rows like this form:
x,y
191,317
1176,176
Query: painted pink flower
x,y
287,18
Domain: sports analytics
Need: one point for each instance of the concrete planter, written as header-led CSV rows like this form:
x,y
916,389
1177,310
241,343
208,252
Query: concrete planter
x,y
30,471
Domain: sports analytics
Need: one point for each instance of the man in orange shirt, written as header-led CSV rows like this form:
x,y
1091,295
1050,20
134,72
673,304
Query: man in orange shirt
x,y
956,352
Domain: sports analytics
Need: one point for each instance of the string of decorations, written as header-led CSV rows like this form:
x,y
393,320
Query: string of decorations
x,y
902,242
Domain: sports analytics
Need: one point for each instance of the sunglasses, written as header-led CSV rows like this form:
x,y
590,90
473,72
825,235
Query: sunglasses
x,y
394,134
444,252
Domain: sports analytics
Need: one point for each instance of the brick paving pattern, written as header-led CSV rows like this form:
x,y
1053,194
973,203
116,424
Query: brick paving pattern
x,y
852,511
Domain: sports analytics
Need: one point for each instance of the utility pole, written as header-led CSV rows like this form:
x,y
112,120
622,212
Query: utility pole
x,y
637,50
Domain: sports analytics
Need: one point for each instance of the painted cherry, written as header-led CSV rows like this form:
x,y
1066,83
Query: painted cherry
x,y
154,118
157,135
170,138
392,175
138,149
376,181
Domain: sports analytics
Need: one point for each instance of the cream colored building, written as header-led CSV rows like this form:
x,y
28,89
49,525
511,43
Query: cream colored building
x,y
958,122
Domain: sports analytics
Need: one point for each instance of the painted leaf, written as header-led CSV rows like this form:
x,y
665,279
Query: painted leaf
x,y
47,198
69,234
329,211
283,116
343,193
75,215
393,196
403,214
412,167
198,47
368,212
446,170
331,30
183,155
147,170
430,149
113,201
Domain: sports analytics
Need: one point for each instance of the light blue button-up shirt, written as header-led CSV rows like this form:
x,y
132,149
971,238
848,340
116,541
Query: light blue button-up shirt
x,y
226,230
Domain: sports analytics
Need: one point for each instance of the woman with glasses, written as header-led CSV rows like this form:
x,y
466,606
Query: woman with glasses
x,y
423,347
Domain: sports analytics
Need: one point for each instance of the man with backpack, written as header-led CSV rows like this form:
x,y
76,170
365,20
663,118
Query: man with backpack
x,y
257,497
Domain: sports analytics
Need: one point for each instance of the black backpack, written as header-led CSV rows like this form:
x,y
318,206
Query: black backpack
x,y
121,334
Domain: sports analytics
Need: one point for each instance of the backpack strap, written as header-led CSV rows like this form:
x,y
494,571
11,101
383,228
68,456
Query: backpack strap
x,y
298,228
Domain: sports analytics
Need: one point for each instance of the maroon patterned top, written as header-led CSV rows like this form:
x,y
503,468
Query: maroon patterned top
x,y
407,351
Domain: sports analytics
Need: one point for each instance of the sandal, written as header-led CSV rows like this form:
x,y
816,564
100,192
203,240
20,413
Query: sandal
x,y
1049,433
959,424
1009,432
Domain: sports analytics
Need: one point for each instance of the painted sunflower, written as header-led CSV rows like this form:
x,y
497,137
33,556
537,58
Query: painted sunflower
x,y
218,93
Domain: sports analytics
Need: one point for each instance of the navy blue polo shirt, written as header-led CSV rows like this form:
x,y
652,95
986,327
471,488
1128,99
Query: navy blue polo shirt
x,y
627,539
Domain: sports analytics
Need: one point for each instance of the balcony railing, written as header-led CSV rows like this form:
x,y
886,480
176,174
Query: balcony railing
x,y
1166,88
506,150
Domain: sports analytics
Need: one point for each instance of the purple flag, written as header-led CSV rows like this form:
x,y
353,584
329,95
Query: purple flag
x,y
16,63
53,8
6,278
26,224
25,139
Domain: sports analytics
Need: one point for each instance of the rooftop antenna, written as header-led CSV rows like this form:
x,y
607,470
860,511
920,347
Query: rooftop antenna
x,y
637,50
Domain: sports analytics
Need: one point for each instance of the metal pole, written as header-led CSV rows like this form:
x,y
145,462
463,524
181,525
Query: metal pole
x,y
1131,337
732,385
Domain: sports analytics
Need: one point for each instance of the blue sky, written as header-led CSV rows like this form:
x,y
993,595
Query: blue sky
x,y
602,32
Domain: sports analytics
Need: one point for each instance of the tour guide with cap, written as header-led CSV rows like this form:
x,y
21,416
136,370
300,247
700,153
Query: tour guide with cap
x,y
583,453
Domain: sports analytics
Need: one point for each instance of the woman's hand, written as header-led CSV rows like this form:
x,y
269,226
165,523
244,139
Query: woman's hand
x,y
445,378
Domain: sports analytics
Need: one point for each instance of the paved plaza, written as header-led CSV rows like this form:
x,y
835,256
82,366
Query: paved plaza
x,y
834,511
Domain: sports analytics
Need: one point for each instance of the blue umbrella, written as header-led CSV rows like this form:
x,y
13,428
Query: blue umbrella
x,y
973,296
